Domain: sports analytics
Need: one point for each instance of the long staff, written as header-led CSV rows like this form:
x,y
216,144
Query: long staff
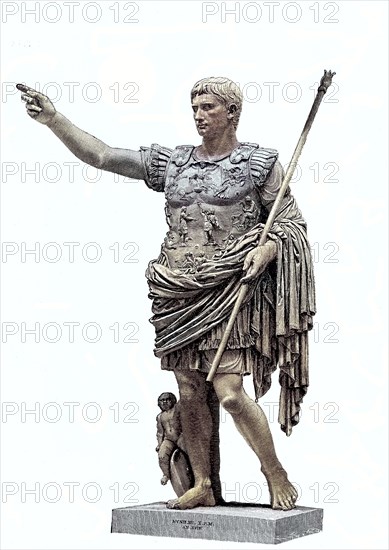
x,y
325,82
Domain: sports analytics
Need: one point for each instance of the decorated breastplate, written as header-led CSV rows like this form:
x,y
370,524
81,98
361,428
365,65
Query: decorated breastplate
x,y
208,204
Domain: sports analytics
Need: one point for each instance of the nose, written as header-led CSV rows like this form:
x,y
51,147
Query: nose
x,y
199,115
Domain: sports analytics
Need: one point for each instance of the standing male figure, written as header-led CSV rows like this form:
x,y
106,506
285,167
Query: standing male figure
x,y
169,432
191,310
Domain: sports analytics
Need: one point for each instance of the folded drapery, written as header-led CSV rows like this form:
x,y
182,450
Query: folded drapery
x,y
192,307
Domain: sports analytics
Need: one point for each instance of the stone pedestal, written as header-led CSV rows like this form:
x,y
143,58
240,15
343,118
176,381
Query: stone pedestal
x,y
232,522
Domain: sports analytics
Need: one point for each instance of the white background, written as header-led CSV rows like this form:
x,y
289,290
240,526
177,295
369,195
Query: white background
x,y
337,454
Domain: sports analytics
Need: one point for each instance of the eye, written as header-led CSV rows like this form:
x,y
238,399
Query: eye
x,y
207,106
194,108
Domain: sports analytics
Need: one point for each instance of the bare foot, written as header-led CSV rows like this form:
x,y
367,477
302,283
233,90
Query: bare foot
x,y
199,495
164,480
282,493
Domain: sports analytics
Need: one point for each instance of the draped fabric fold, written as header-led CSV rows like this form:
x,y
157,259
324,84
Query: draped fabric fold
x,y
279,307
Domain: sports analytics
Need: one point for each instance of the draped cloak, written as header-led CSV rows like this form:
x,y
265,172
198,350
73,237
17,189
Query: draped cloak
x,y
279,306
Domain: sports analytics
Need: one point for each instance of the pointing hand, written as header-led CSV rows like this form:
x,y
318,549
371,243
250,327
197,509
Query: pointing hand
x,y
38,106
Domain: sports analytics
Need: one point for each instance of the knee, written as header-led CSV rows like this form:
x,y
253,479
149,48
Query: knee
x,y
232,402
163,458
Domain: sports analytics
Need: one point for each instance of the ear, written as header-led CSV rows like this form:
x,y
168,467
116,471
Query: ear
x,y
231,111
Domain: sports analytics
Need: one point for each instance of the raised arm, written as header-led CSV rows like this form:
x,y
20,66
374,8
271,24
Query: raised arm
x,y
84,146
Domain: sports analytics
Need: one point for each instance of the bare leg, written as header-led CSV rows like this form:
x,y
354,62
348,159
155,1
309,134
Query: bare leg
x,y
165,452
252,424
197,430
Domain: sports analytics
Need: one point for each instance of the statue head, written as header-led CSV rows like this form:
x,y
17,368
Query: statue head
x,y
166,401
225,90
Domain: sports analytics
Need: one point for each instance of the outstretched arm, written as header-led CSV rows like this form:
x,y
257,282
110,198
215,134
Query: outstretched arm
x,y
84,146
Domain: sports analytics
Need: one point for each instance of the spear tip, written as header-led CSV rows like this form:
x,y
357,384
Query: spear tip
x,y
326,81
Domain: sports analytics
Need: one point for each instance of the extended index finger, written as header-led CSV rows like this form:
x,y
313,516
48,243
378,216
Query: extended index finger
x,y
26,90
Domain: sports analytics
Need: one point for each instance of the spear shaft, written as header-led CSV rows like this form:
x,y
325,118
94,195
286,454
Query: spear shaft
x,y
325,82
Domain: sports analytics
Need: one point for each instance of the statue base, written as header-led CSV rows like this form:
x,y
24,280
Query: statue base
x,y
233,522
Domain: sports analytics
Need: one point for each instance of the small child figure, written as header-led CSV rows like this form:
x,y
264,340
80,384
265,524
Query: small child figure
x,y
169,432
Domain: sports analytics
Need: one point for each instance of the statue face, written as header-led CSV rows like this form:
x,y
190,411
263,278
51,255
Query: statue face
x,y
210,115
165,402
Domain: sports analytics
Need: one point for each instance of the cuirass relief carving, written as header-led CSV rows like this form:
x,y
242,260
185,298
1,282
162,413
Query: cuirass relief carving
x,y
208,203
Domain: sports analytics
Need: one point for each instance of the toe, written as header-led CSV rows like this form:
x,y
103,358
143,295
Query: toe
x,y
289,503
172,503
284,503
